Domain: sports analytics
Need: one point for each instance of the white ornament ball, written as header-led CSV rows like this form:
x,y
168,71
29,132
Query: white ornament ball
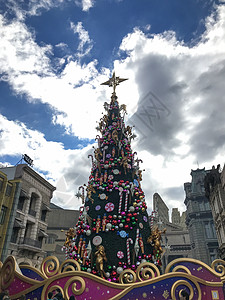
x,y
143,260
107,274
121,225
73,253
131,208
109,225
89,270
88,232
119,270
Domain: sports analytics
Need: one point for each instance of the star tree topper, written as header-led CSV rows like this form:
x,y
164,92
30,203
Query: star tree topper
x,y
114,81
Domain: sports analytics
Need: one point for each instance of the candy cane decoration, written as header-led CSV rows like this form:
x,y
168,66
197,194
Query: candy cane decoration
x,y
133,158
136,245
154,212
137,235
120,203
82,197
98,138
138,161
92,160
126,200
81,209
129,240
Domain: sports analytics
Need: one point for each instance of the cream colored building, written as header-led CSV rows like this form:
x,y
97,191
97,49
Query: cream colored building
x,y
59,221
30,216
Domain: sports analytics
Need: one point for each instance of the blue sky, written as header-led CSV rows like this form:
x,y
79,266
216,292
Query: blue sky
x,y
53,56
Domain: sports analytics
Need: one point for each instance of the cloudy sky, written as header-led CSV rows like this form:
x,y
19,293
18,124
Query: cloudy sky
x,y
55,53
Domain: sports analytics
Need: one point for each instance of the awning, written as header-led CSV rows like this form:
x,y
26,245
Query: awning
x,y
18,224
45,207
42,233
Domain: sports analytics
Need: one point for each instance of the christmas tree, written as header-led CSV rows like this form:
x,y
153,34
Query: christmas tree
x,y
113,232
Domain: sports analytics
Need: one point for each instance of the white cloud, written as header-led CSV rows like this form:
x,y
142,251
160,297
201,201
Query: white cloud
x,y
63,168
85,4
86,43
189,82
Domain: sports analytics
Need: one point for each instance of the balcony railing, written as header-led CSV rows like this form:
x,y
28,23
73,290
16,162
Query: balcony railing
x,y
31,242
32,212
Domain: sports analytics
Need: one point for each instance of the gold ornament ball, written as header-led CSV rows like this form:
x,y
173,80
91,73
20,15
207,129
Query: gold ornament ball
x,y
143,209
134,204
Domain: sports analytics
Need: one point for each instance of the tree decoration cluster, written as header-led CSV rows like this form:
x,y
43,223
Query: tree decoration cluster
x,y
113,228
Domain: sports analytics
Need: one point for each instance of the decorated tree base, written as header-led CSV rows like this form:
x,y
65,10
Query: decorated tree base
x,y
197,278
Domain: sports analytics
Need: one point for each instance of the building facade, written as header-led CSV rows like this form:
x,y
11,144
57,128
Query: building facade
x,y
59,221
215,191
8,189
176,240
199,219
29,216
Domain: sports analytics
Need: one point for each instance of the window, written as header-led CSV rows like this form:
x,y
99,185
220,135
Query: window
x,y
3,214
201,206
210,230
14,235
50,239
20,204
8,190
207,206
1,183
43,215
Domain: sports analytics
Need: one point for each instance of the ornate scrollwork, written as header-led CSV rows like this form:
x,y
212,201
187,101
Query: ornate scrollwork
x,y
127,276
7,273
183,268
69,265
50,266
218,266
74,281
190,287
147,271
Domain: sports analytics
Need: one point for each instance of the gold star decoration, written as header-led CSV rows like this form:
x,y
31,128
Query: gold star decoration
x,y
114,81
